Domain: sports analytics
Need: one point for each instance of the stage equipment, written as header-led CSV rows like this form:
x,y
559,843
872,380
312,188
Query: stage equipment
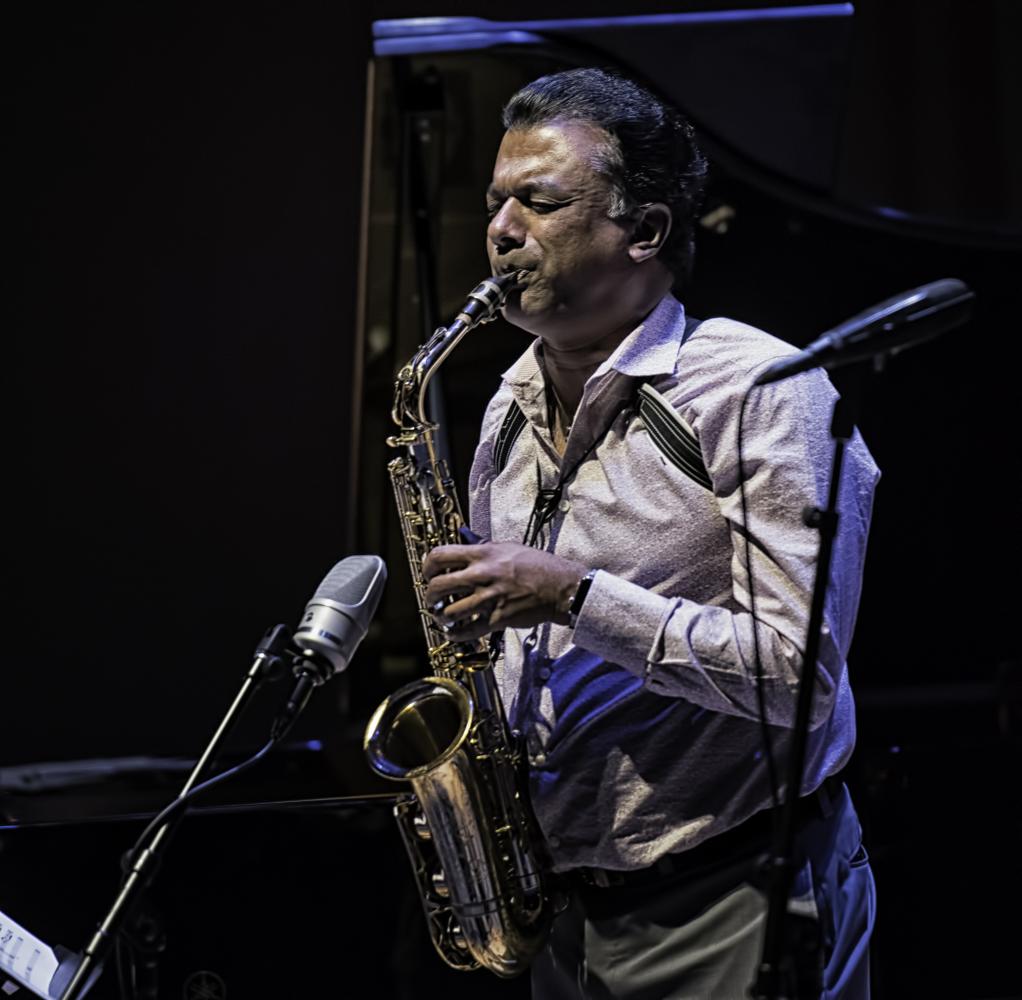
x,y
333,624
883,330
786,970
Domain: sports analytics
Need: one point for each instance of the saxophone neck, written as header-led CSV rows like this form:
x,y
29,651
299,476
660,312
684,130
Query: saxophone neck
x,y
483,304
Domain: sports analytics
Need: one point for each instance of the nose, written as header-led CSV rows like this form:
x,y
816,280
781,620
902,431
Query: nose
x,y
506,230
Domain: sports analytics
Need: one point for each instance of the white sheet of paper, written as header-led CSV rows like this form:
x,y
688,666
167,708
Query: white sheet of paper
x,y
25,958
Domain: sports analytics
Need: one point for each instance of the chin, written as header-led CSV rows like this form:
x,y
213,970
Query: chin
x,y
517,318
523,311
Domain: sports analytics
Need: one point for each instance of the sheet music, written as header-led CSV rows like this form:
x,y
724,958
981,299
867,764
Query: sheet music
x,y
26,959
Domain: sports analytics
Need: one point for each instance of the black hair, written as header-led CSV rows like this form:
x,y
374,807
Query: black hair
x,y
651,156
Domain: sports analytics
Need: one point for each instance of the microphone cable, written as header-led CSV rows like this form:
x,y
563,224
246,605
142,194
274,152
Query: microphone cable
x,y
124,959
171,811
768,746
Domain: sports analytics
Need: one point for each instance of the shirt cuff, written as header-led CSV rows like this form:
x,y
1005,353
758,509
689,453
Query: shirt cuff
x,y
622,622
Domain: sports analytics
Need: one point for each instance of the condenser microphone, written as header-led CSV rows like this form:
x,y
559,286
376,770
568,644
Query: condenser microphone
x,y
337,618
333,624
886,328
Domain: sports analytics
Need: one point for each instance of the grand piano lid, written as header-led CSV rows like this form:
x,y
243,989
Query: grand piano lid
x,y
788,100
789,122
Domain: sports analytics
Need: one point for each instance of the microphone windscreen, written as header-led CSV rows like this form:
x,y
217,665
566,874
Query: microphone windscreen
x,y
353,581
337,618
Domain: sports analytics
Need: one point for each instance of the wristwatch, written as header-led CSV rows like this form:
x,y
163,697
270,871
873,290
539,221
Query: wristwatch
x,y
575,608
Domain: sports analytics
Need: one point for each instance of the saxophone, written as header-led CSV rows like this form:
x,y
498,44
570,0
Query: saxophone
x,y
468,830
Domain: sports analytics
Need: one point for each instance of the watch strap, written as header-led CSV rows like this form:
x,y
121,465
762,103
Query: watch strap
x,y
575,608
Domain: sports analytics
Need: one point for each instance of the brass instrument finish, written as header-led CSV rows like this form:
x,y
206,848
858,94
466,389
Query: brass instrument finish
x,y
469,832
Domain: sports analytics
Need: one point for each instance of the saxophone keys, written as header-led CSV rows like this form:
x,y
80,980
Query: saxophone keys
x,y
458,938
440,886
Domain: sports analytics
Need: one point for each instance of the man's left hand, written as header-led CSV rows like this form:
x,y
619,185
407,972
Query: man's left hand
x,y
498,585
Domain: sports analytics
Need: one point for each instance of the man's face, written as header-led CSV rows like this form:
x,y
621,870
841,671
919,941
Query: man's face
x,y
548,214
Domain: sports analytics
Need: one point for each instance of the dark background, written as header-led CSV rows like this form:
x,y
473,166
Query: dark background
x,y
184,209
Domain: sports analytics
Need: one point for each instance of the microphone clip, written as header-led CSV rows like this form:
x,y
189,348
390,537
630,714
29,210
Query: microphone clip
x,y
274,653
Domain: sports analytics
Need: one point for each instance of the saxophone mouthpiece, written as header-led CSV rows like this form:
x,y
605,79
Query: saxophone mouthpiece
x,y
510,280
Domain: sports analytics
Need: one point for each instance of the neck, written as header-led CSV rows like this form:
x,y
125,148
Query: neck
x,y
568,367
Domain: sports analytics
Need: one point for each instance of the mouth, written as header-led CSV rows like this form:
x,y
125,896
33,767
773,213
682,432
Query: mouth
x,y
522,275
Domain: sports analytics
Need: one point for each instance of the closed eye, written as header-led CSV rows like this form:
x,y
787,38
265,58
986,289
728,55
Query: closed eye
x,y
536,205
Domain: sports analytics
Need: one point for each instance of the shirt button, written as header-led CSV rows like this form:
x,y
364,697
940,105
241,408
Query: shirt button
x,y
564,506
538,760
543,673
553,840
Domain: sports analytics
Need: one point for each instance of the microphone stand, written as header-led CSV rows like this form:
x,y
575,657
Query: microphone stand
x,y
267,664
777,977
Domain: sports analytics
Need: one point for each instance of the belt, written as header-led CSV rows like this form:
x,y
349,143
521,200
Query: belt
x,y
750,837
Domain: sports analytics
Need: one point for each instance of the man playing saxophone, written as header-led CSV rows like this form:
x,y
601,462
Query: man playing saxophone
x,y
617,546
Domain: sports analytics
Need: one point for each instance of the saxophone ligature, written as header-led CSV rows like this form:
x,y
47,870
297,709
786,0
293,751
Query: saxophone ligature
x,y
468,830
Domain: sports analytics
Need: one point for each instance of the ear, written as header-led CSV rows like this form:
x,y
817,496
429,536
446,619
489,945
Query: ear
x,y
651,229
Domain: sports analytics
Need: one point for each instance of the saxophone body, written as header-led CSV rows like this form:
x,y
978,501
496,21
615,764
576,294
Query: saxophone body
x,y
468,831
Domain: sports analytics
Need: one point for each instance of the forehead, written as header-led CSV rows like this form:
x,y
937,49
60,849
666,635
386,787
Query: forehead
x,y
564,152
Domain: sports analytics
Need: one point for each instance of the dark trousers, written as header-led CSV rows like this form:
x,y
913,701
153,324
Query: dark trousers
x,y
698,934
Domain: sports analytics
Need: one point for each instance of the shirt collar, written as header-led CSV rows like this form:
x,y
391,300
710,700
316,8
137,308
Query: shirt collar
x,y
650,349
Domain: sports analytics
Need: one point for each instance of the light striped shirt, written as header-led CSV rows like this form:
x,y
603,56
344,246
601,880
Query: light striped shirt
x,y
641,723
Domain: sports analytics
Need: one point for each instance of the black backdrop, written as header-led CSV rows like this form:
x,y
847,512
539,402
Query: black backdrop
x,y
190,195
185,199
